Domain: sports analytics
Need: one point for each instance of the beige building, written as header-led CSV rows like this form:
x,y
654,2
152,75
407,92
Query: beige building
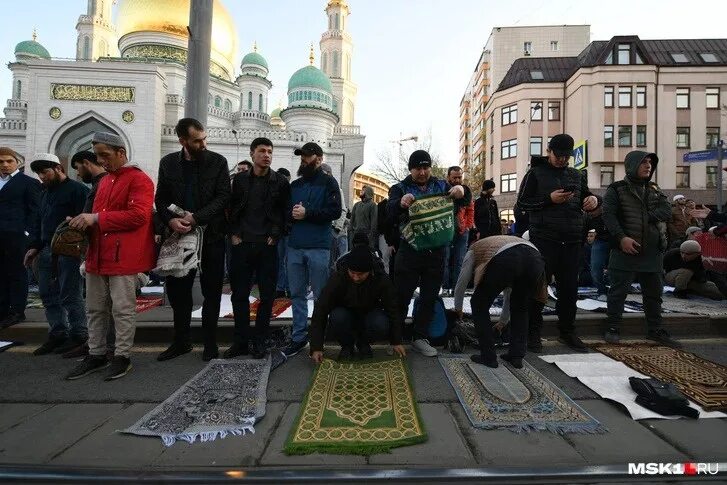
x,y
361,178
625,94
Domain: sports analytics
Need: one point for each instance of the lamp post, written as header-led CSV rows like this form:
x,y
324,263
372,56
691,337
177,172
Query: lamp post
x,y
237,148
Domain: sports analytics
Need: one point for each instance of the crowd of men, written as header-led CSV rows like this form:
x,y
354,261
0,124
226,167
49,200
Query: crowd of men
x,y
292,238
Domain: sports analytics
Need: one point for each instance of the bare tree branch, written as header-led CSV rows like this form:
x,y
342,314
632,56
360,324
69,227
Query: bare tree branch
x,y
394,168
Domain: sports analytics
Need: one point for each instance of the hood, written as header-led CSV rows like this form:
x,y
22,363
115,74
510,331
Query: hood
x,y
633,160
368,193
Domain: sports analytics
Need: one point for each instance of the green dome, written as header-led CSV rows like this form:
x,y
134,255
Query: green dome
x,y
310,77
276,113
255,58
31,48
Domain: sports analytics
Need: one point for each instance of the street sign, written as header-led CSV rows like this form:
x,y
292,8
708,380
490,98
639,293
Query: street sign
x,y
579,160
700,156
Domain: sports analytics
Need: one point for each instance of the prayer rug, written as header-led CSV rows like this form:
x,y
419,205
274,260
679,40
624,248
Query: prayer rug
x,y
6,345
279,306
519,400
34,300
431,222
357,408
704,382
144,303
226,397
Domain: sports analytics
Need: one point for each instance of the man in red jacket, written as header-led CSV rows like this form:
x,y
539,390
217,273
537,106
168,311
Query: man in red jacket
x,y
121,244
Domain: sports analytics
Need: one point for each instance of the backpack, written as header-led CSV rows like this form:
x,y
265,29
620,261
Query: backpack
x,y
661,397
438,326
68,241
180,253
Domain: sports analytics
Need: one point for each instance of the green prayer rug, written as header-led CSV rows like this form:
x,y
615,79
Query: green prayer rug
x,y
357,408
431,222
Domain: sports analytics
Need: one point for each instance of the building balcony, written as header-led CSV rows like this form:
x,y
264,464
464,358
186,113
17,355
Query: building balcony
x,y
336,34
248,114
347,130
7,125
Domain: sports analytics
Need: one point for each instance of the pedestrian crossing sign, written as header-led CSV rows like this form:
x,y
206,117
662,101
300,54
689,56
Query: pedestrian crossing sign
x,y
579,160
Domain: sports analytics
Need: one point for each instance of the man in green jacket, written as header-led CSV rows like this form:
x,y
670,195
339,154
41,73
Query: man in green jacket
x,y
635,212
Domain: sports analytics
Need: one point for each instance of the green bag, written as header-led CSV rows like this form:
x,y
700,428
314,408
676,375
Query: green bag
x,y
431,222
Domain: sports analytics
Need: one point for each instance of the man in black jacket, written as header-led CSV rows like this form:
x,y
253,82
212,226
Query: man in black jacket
x,y
487,217
19,199
359,306
555,196
197,181
260,198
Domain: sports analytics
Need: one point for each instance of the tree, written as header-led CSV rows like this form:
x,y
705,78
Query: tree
x,y
394,168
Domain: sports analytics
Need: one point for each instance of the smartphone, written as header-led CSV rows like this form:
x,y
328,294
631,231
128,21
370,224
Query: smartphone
x,y
570,188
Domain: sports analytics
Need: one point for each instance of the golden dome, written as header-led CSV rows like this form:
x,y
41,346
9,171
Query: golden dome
x,y
172,17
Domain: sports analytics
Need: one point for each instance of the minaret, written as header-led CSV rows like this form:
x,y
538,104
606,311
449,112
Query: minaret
x,y
336,58
96,32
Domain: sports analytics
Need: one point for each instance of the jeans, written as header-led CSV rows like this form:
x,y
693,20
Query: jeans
x,y
261,259
61,290
179,291
348,327
282,284
561,261
652,287
13,275
339,247
305,267
519,268
599,262
454,255
424,269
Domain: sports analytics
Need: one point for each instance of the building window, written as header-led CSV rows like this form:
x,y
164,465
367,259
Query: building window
x,y
536,75
608,136
712,98
86,48
508,149
492,122
218,102
249,100
228,105
553,45
624,135
682,177
607,175
260,106
509,115
683,137
641,135
18,89
536,111
712,136
679,57
508,215
624,54
624,96
554,110
527,48
508,183
492,154
708,57
608,96
324,62
683,98
536,145
711,177
640,96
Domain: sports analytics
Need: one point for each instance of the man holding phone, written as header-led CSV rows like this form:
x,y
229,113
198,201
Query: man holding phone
x,y
555,195
636,212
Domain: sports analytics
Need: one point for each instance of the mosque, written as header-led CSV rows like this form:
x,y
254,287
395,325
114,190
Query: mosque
x,y
129,78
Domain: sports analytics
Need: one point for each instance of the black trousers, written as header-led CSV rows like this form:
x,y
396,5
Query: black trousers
x,y
561,262
520,268
652,287
13,275
179,291
424,269
348,327
250,259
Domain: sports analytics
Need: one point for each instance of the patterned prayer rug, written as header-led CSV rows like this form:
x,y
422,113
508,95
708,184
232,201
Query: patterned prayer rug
x,y
226,397
358,408
704,382
144,303
519,400
279,306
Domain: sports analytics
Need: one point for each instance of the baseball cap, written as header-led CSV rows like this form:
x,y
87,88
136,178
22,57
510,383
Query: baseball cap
x,y
692,229
561,145
677,197
308,149
420,158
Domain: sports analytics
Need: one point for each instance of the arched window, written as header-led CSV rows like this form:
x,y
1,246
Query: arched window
x,y
260,106
218,102
249,100
330,22
324,62
336,22
335,64
228,105
18,89
86,48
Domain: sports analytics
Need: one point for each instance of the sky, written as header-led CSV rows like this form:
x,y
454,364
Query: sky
x,y
412,58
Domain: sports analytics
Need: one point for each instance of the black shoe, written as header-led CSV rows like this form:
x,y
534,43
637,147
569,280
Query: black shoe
x,y
174,350
364,350
49,346
572,341
258,350
68,345
120,366
479,359
91,363
516,362
612,335
535,345
210,353
236,350
294,347
79,351
662,336
347,352
12,319
281,294
681,294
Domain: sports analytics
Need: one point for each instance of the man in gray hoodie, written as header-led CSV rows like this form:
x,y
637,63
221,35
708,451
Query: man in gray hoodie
x,y
364,217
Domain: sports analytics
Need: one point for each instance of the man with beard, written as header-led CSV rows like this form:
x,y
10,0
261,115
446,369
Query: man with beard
x,y
197,181
19,197
463,222
315,203
363,216
487,217
90,170
59,279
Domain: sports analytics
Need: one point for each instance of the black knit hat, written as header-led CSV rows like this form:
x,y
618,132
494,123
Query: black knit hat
x,y
420,158
488,184
360,259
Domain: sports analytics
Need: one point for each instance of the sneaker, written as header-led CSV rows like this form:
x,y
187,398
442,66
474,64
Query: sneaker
x,y
12,319
516,362
91,363
612,336
49,346
572,341
79,351
602,297
174,350
294,347
364,350
422,346
210,353
662,336
236,350
120,366
68,345
347,353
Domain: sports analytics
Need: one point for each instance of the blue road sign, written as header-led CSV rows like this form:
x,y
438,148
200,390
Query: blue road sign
x,y
700,156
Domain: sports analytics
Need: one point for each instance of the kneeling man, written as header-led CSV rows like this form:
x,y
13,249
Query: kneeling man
x,y
359,307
